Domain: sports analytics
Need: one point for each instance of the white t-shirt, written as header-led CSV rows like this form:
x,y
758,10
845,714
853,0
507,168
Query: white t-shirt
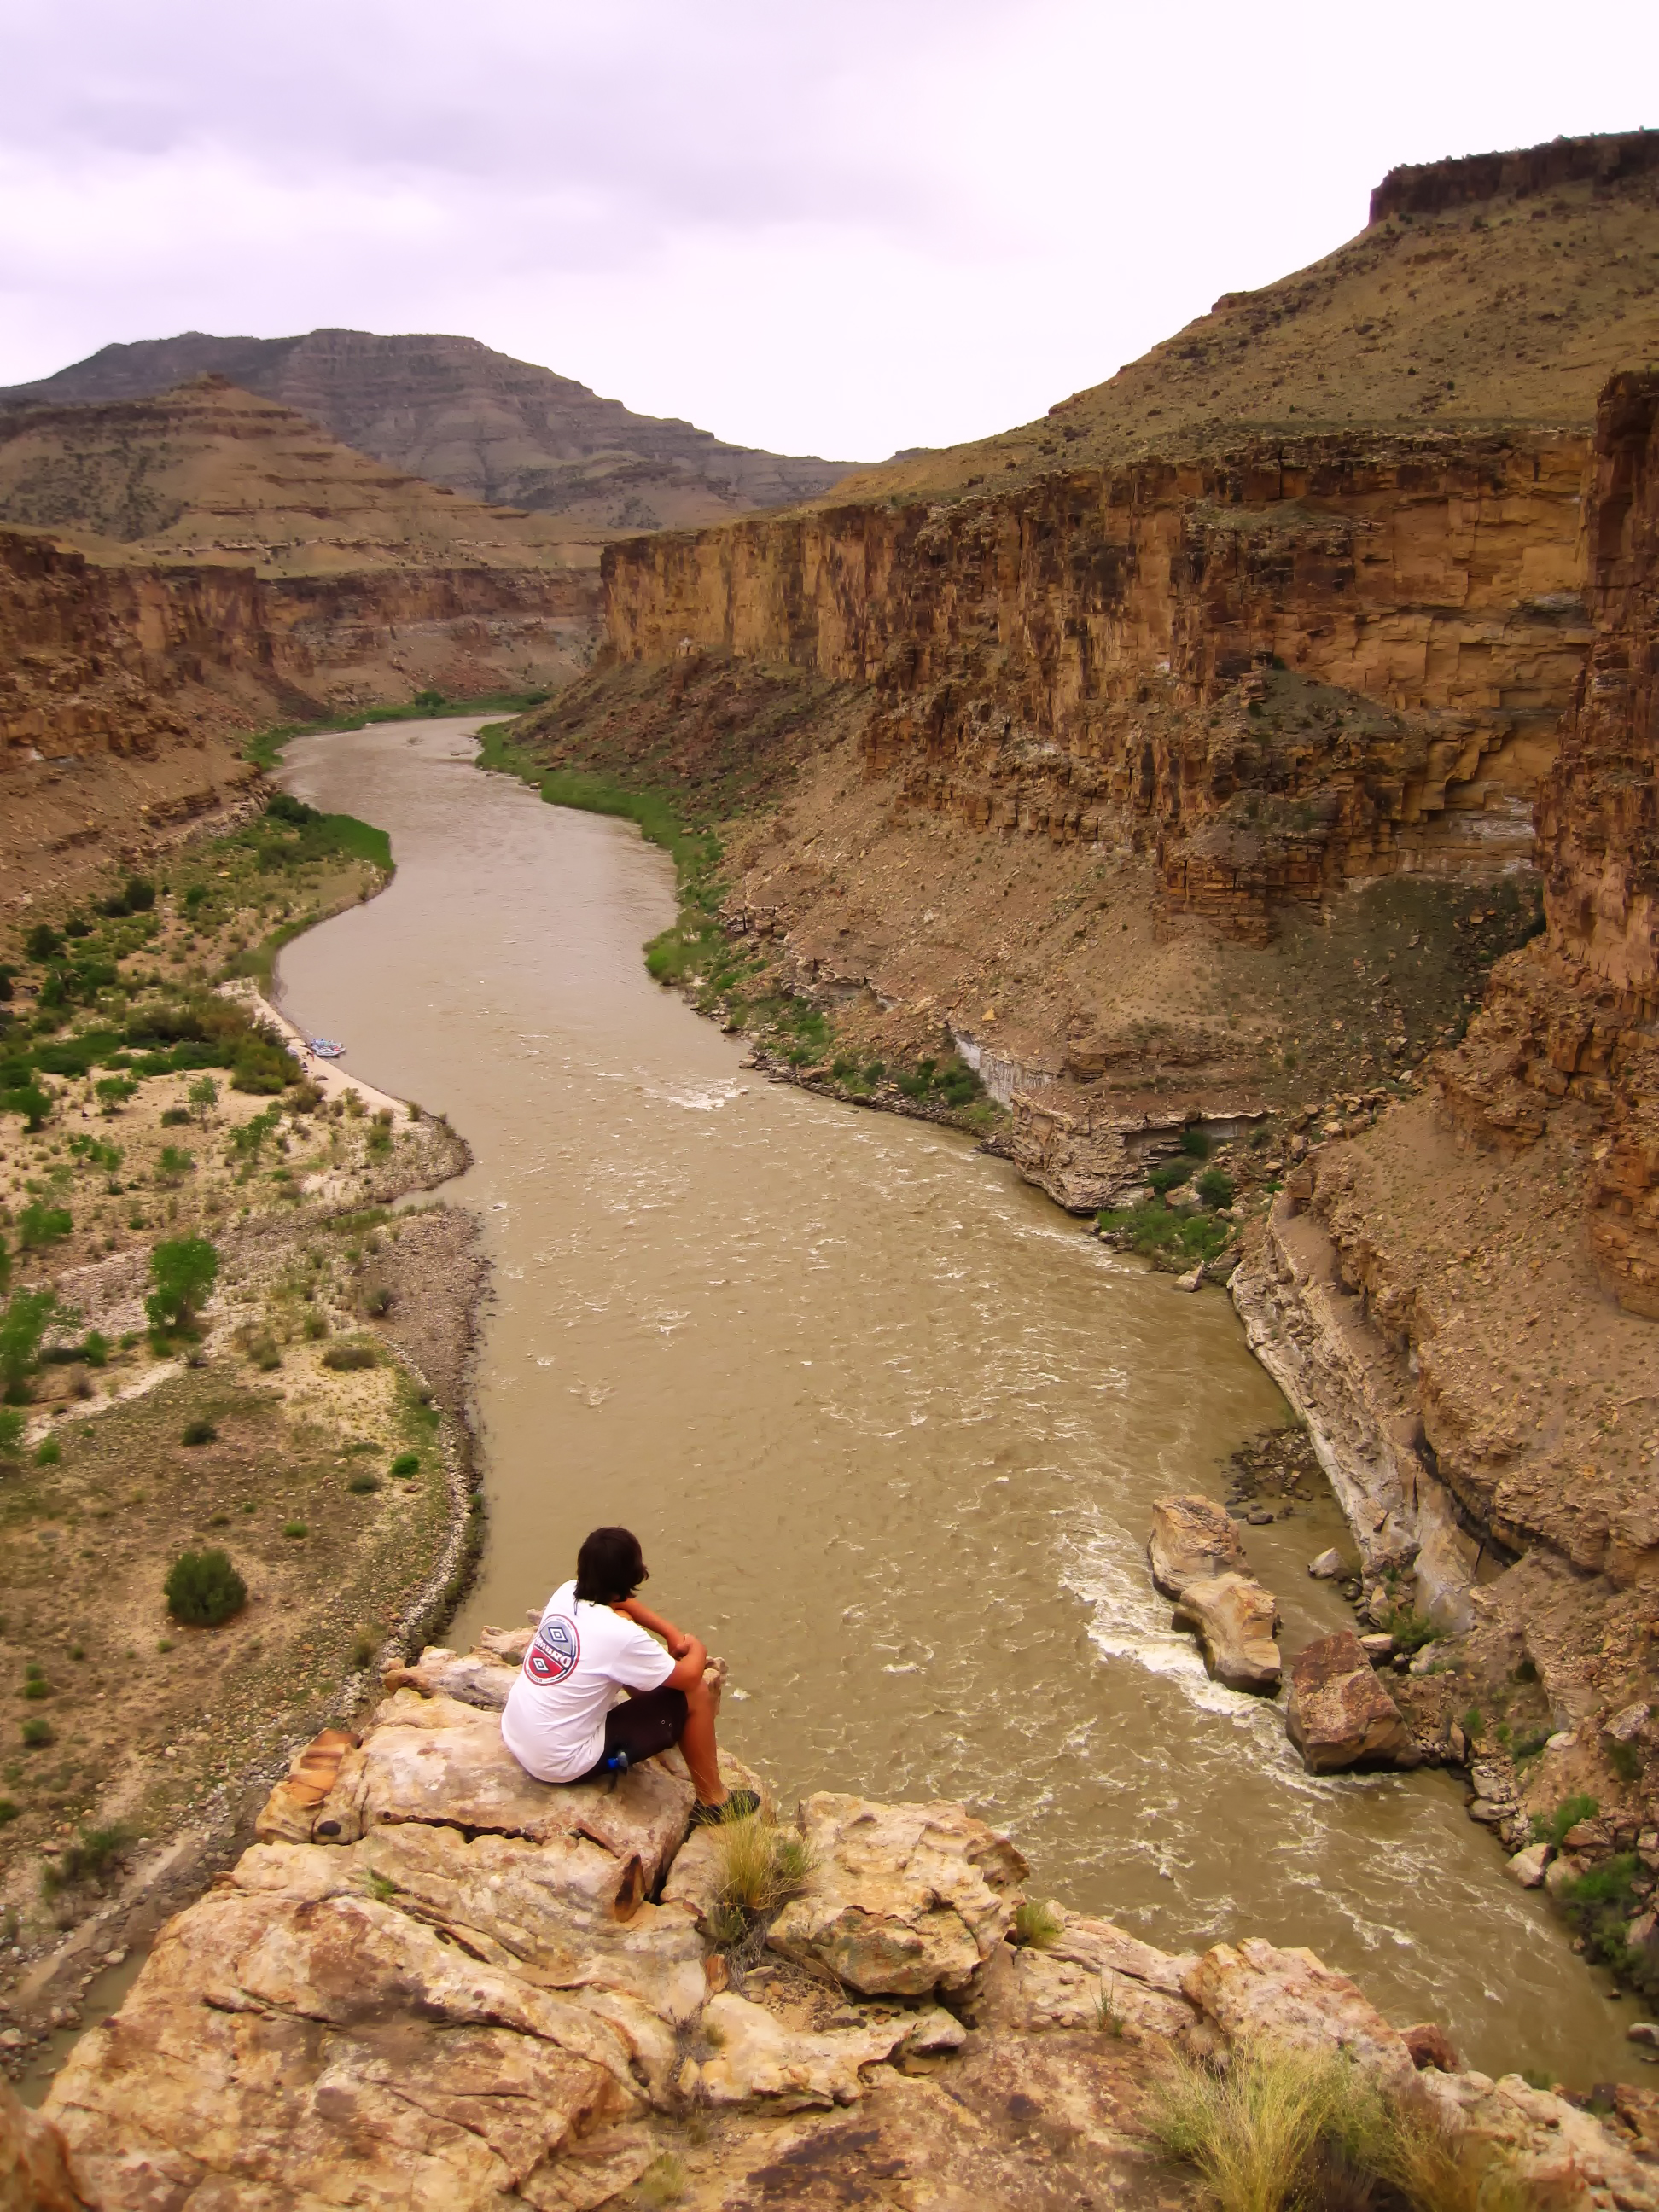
x,y
579,1656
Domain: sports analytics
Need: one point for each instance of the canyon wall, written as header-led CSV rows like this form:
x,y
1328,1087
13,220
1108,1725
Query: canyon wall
x,y
1303,664
1569,1020
123,687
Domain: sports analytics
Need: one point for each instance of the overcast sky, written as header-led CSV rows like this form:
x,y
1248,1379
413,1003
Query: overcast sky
x,y
841,229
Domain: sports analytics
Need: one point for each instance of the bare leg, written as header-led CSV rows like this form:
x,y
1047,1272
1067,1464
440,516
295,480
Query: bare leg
x,y
702,1702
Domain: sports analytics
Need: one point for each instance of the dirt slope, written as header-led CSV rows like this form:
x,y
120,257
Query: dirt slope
x,y
1501,289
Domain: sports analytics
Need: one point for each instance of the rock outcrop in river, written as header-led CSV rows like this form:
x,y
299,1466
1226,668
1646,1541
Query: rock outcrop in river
x,y
438,1983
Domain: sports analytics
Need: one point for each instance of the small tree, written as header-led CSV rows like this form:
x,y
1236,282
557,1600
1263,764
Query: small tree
x,y
184,1271
204,1589
203,1096
23,1325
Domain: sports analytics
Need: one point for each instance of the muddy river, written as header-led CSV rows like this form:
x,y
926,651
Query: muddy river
x,y
888,1424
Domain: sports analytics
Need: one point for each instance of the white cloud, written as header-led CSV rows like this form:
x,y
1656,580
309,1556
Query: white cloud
x,y
838,231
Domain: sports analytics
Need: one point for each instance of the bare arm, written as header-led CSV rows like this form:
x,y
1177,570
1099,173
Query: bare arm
x,y
653,1624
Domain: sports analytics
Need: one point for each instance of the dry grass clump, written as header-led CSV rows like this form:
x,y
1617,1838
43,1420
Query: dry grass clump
x,y
760,1866
1279,2130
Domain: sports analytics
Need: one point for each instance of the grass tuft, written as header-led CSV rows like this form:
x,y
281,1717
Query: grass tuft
x,y
1036,1927
760,1866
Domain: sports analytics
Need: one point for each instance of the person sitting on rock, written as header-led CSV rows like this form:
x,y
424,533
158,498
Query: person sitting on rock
x,y
564,1721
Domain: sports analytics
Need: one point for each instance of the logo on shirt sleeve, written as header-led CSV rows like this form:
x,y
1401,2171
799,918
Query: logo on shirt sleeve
x,y
553,1650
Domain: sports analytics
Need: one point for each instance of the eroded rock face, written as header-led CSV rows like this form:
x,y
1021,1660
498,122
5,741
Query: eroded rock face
x,y
1255,1992
1192,1536
1339,1714
34,2177
903,1900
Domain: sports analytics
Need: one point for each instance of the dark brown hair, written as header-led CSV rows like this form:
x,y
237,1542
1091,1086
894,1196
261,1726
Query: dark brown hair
x,y
610,1567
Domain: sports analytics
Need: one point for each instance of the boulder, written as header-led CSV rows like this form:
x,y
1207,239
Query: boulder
x,y
435,1760
1256,1992
34,2177
1378,1648
280,2049
1234,1619
1554,2155
1339,1714
474,1678
1561,1870
1191,1537
1093,1977
290,1810
755,2057
903,1900
1431,2046
1327,1567
1527,1867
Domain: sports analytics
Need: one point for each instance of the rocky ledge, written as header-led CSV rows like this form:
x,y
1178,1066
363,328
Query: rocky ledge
x,y
435,1983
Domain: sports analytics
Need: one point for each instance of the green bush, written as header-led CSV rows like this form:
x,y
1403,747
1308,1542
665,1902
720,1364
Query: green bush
x,y
1168,1175
48,1452
43,942
295,1528
1179,1234
1581,1806
361,1485
406,1463
40,1225
23,1325
199,1432
37,1731
183,1270
1194,1142
204,1590
95,1853
1215,1187
175,1117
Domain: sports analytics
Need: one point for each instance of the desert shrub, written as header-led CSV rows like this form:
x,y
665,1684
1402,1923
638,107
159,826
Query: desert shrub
x,y
378,1301
203,1589
354,1351
316,1326
37,1732
40,1225
360,1484
1182,1234
265,1354
262,1066
295,1528
1581,1806
94,1854
11,1431
9,1811
199,1432
1035,1925
1194,1142
43,942
48,1452
1254,2133
1625,1760
95,1348
1410,1629
183,1270
114,1090
35,1684
1167,1173
174,1162
1215,1187
406,1463
175,1117
29,1100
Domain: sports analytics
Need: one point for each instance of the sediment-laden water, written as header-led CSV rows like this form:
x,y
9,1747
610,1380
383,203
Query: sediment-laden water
x,y
888,1424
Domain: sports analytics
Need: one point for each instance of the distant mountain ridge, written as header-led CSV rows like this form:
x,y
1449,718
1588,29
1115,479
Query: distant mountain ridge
x,y
454,412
